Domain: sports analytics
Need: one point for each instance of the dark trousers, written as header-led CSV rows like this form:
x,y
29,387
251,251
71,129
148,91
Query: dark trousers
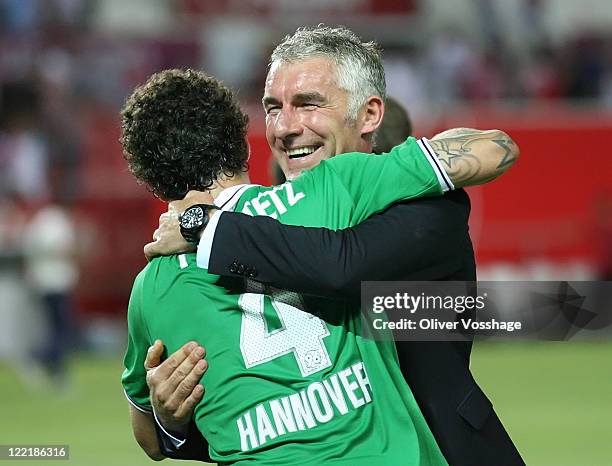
x,y
57,308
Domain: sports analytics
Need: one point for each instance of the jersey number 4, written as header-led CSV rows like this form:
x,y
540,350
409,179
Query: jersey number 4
x,y
300,333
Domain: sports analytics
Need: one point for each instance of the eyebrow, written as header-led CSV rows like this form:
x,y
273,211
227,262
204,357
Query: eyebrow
x,y
267,101
301,97
314,96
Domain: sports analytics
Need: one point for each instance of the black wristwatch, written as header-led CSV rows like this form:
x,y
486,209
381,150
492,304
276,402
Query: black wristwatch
x,y
193,221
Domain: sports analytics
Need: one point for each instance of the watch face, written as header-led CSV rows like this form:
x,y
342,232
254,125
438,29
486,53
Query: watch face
x,y
192,217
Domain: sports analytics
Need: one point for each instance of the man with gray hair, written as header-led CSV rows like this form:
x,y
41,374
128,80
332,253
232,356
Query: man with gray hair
x,y
324,96
352,81
359,69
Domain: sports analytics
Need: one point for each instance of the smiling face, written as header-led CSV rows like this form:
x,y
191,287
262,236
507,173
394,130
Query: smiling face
x,y
306,115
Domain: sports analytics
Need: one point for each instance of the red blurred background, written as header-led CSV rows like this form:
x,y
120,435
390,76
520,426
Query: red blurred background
x,y
549,208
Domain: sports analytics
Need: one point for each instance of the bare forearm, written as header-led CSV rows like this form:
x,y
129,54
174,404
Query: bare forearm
x,y
471,157
143,428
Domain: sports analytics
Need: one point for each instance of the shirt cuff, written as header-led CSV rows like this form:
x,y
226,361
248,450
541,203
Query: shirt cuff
x,y
176,442
206,240
142,408
445,182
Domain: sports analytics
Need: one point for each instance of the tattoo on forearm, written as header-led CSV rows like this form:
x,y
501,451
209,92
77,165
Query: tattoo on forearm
x,y
508,157
461,153
455,154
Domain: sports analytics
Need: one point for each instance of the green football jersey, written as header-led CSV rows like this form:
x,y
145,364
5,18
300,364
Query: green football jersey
x,y
290,379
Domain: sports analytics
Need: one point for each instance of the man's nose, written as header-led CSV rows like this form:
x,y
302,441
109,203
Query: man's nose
x,y
287,124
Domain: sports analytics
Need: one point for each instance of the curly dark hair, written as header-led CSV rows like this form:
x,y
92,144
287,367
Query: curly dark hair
x,y
181,130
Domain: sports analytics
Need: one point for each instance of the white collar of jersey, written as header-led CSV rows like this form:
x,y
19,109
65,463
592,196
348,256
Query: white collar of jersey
x,y
227,199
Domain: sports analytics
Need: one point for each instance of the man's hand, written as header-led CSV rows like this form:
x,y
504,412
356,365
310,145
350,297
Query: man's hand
x,y
173,384
167,239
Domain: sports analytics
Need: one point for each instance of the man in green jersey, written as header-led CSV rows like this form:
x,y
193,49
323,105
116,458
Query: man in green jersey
x,y
285,386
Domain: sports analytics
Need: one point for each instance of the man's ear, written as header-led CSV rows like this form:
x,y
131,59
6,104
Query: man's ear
x,y
374,111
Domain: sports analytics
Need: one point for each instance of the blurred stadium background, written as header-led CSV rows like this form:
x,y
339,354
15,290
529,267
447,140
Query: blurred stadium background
x,y
73,221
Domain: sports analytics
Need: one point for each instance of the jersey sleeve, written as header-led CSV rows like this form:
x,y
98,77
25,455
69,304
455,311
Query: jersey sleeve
x,y
374,182
134,375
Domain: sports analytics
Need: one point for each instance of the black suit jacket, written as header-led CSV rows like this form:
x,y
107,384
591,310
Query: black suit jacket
x,y
425,239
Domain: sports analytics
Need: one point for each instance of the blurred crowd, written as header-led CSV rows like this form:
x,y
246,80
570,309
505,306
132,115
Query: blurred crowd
x,y
59,62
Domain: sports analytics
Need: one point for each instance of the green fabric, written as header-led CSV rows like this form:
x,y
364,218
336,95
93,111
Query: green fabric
x,y
283,386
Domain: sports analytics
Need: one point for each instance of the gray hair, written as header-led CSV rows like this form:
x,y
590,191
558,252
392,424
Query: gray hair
x,y
359,68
